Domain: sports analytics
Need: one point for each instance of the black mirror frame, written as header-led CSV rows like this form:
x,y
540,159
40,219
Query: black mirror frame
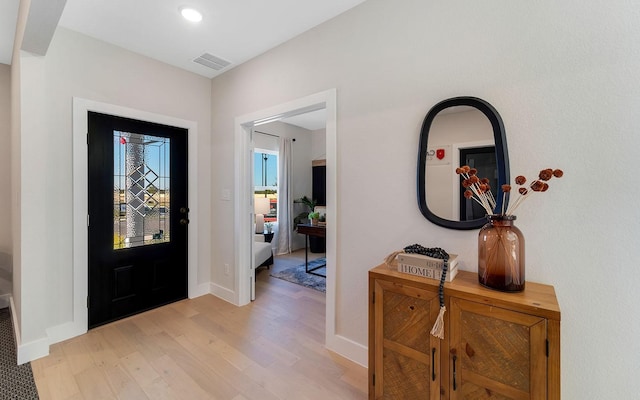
x,y
501,156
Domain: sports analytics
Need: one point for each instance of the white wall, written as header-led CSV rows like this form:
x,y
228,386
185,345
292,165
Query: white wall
x,y
16,182
76,65
563,76
319,144
6,243
5,164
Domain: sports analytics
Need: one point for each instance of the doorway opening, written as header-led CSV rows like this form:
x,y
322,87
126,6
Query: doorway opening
x,y
244,207
284,204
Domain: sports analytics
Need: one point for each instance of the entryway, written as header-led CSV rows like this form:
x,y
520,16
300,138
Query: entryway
x,y
138,216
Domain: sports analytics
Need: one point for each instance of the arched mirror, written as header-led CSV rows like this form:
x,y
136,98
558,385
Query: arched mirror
x,y
460,131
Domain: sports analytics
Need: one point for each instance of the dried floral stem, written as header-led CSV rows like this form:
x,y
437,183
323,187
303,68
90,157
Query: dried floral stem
x,y
491,201
482,196
514,206
504,200
479,202
479,190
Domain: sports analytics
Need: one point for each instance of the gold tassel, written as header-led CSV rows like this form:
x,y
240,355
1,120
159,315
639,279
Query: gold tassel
x,y
438,326
390,260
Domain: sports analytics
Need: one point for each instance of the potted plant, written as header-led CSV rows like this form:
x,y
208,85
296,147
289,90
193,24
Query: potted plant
x,y
316,244
314,217
300,218
268,232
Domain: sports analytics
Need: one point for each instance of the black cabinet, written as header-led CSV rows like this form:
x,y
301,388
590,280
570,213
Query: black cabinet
x,y
319,194
319,184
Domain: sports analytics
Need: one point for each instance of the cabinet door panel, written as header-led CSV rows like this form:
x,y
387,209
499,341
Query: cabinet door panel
x,y
401,315
407,357
497,350
404,377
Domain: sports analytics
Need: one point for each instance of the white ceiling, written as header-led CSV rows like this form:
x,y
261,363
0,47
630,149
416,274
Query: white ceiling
x,y
234,30
312,121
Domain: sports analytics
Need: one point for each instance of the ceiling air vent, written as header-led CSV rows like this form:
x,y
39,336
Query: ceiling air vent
x,y
211,61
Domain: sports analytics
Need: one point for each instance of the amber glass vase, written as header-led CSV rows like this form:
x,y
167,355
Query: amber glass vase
x,y
501,254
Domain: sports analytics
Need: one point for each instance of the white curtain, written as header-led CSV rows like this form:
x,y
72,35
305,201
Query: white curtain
x,y
285,201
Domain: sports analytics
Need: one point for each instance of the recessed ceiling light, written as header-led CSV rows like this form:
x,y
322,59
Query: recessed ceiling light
x,y
191,14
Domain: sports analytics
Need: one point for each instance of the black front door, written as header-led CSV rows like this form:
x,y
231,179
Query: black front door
x,y
484,160
138,216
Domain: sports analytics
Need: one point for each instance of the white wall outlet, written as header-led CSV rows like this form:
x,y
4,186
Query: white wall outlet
x,y
226,269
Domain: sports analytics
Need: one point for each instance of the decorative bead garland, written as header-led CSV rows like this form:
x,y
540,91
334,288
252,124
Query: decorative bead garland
x,y
435,252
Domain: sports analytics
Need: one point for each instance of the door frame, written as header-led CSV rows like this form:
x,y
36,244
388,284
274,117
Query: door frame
x,y
81,107
243,201
455,178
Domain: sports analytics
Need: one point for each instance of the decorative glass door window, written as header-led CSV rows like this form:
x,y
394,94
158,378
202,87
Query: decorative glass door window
x,y
141,194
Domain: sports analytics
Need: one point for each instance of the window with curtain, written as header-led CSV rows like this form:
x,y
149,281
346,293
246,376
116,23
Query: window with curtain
x,y
265,178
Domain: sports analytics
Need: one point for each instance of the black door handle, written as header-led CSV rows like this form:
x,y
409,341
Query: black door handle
x,y
184,221
184,210
433,364
454,372
454,359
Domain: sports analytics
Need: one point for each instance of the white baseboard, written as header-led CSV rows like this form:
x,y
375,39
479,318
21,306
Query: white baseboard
x,y
348,348
200,290
33,350
65,331
223,293
27,351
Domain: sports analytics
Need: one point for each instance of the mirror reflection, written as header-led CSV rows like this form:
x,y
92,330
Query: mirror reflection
x,y
459,131
458,136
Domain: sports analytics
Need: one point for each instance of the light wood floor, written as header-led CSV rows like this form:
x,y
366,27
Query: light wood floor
x,y
206,348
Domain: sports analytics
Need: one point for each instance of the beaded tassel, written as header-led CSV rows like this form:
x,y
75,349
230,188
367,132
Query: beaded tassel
x,y
435,252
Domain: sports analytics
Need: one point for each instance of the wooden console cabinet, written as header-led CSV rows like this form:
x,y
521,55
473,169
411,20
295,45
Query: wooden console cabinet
x,y
496,346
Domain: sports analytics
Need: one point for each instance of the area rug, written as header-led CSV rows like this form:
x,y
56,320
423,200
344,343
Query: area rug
x,y
298,275
17,380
